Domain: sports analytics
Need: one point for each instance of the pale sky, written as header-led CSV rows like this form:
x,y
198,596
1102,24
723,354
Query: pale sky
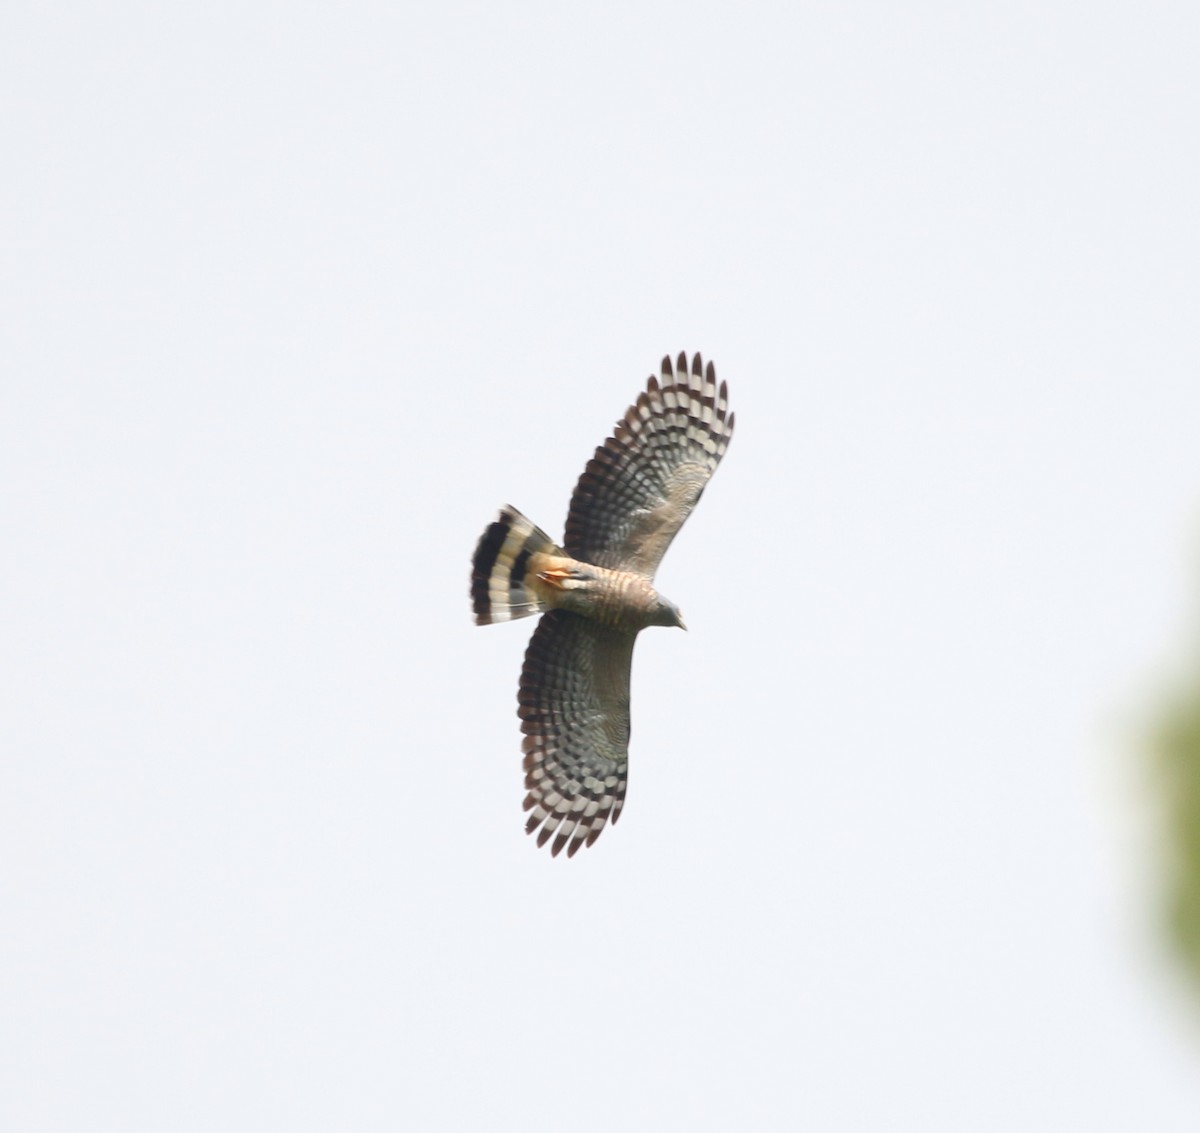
x,y
294,297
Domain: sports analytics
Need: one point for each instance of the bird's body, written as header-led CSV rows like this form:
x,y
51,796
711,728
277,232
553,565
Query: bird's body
x,y
597,593
552,580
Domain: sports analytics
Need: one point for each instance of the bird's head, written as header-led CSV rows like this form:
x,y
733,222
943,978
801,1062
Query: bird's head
x,y
666,613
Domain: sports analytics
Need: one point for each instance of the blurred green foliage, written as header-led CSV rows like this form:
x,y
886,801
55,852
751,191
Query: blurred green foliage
x,y
1177,747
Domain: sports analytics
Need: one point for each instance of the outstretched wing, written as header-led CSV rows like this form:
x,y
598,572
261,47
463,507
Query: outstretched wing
x,y
574,709
645,479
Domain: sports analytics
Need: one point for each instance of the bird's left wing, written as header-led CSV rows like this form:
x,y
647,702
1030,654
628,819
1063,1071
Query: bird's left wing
x,y
574,709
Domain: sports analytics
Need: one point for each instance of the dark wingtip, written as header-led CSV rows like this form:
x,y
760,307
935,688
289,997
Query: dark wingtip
x,y
681,363
710,373
697,365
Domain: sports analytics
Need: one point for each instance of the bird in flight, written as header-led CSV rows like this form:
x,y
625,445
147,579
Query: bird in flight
x,y
597,592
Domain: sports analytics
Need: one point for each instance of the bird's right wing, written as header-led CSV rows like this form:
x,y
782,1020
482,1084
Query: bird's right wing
x,y
643,482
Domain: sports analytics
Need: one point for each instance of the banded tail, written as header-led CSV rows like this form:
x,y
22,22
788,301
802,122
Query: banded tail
x,y
499,572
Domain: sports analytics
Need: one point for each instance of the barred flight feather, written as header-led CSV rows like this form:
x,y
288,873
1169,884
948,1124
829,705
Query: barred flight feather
x,y
576,728
643,482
